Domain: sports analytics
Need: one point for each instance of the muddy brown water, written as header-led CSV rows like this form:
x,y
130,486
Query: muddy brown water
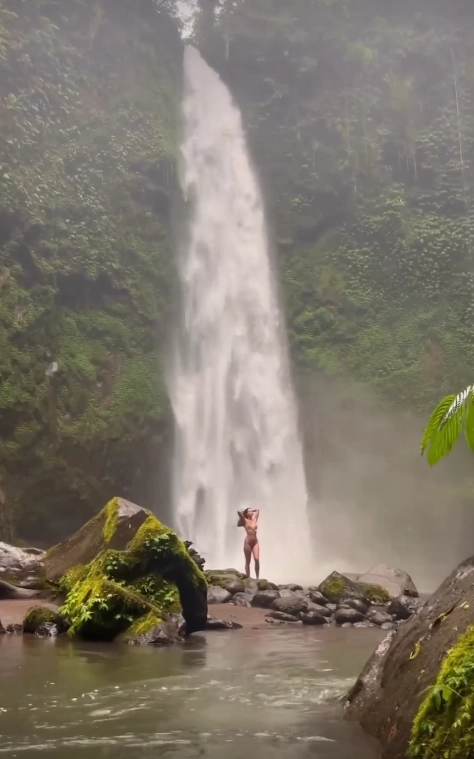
x,y
256,693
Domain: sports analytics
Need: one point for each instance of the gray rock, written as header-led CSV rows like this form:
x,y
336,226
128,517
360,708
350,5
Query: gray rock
x,y
265,585
313,618
363,624
293,604
388,626
12,592
331,607
317,597
357,604
264,599
379,618
322,610
24,567
236,586
15,629
167,633
290,586
395,581
348,615
217,595
404,607
347,624
2,629
48,630
280,615
221,624
242,599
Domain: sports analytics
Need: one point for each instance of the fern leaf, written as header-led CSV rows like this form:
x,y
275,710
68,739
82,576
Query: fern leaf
x,y
446,423
436,420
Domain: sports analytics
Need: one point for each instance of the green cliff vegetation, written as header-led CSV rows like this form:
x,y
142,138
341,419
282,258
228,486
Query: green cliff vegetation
x,y
361,116
88,93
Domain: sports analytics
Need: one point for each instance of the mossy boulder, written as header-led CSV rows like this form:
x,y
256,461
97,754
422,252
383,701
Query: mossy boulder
x,y
337,587
40,615
415,693
395,581
131,569
113,527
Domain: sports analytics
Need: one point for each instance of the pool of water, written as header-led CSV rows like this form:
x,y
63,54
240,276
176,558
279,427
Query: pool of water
x,y
253,693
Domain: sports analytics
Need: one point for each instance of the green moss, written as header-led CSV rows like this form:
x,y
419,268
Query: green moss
x,y
111,511
374,593
153,575
144,625
334,587
69,580
444,725
38,615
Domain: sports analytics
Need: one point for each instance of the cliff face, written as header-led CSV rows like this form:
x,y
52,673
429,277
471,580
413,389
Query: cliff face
x,y
361,115
87,146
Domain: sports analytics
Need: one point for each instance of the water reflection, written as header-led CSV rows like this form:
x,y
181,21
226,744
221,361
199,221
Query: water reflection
x,y
221,696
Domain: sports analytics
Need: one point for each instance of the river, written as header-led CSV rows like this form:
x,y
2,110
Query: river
x,y
259,694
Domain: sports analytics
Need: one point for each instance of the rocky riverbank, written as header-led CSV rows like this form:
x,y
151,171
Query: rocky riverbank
x,y
383,597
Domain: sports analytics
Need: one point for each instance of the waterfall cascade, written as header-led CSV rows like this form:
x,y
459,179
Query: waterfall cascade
x,y
237,442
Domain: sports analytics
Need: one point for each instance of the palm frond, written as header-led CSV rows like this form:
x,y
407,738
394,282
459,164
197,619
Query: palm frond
x,y
450,417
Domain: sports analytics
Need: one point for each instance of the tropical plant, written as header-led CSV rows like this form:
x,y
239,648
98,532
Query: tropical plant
x,y
450,418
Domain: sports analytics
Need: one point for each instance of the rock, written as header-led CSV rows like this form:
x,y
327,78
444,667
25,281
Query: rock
x,y
313,618
264,599
290,586
236,586
242,599
331,607
194,555
418,682
395,581
388,626
317,597
149,579
112,528
379,618
38,616
293,605
282,616
221,624
15,629
47,630
2,629
348,615
364,624
404,607
322,610
358,605
217,595
347,624
10,592
337,587
23,567
265,585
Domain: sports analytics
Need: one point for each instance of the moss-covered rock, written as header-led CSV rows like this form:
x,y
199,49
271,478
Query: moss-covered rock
x,y
138,573
415,693
39,615
444,724
113,527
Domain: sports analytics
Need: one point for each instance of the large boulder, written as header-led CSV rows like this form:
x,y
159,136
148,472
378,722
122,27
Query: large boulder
x,y
337,587
125,572
21,566
415,693
111,528
395,581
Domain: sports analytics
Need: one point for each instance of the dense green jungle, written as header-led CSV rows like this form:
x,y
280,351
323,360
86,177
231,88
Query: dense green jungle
x,y
360,116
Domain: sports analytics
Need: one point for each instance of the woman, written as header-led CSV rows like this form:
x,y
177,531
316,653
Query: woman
x,y
249,519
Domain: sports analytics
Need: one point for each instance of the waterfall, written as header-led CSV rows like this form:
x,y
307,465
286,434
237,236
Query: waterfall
x,y
237,442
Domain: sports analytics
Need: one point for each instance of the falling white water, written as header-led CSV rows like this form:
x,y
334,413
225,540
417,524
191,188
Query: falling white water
x,y
237,442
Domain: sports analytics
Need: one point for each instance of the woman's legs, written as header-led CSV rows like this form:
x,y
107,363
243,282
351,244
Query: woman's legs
x,y
248,556
256,557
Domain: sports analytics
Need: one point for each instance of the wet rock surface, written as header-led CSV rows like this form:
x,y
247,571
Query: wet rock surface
x,y
389,691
